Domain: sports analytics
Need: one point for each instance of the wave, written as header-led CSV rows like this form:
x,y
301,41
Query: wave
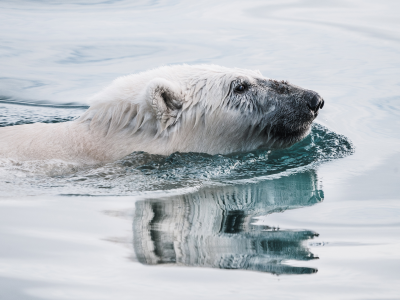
x,y
141,172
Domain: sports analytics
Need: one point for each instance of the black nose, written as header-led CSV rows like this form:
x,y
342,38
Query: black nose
x,y
315,103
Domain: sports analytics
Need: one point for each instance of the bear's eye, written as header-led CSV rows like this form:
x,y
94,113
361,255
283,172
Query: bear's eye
x,y
241,88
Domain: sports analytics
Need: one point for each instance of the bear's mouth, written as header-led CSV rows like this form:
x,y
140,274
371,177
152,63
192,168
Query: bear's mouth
x,y
283,133
281,136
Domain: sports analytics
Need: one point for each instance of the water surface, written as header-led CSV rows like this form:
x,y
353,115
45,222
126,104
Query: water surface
x,y
318,220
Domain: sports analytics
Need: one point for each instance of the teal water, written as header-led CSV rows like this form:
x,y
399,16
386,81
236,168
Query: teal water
x,y
317,220
141,172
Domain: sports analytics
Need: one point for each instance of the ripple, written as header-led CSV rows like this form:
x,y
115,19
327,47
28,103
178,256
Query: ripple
x,y
142,172
11,115
102,53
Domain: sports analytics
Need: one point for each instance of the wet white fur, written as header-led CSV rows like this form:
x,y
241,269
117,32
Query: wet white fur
x,y
130,115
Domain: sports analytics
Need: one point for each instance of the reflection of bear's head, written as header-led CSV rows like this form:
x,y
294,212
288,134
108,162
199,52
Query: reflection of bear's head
x,y
213,227
204,108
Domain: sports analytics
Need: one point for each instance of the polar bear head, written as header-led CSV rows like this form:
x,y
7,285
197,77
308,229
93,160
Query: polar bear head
x,y
202,108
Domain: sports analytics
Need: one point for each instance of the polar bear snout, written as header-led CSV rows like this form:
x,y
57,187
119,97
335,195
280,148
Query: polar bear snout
x,y
314,101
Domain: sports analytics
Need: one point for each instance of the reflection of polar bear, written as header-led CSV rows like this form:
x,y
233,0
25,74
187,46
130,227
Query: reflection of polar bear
x,y
203,108
214,227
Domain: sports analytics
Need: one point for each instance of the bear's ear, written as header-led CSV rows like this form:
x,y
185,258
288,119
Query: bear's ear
x,y
166,100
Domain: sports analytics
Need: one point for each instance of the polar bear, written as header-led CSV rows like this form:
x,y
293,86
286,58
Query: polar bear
x,y
179,108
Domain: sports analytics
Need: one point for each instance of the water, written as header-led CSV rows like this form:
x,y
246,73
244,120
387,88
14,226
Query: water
x,y
326,211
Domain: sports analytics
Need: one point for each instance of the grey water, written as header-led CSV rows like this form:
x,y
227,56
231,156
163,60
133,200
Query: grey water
x,y
318,220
